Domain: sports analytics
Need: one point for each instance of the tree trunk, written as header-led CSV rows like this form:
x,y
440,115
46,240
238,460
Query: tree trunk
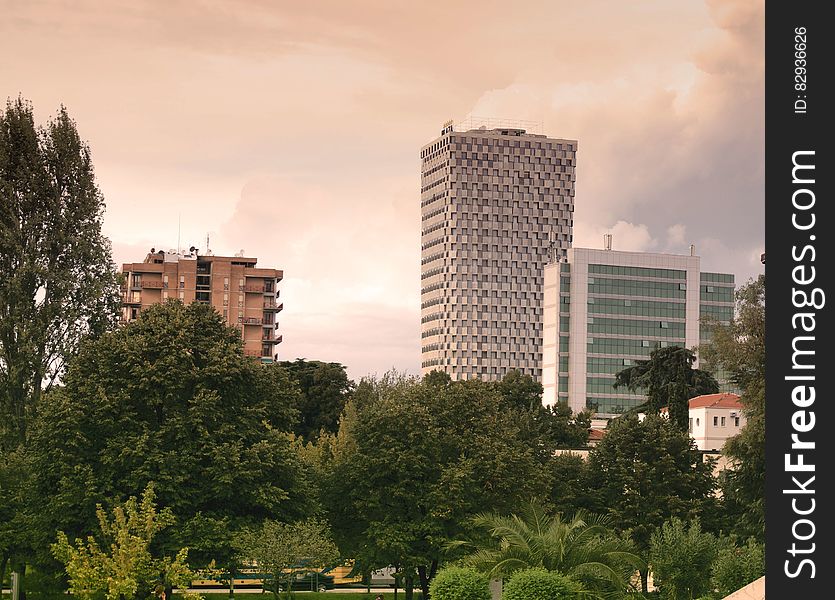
x,y
424,579
644,578
409,587
21,573
3,569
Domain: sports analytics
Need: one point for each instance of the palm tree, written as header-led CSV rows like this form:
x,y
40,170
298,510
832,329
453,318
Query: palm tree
x,y
583,548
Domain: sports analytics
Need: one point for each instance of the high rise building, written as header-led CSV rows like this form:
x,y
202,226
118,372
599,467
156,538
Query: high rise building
x,y
605,309
245,295
494,202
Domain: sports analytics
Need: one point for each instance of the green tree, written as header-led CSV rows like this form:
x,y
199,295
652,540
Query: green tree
x,y
120,564
737,566
583,547
669,380
570,491
169,398
325,389
281,550
520,391
459,583
57,280
681,557
646,472
540,584
412,461
437,378
560,428
57,285
739,350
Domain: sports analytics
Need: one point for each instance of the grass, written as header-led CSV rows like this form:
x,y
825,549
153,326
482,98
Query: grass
x,y
313,596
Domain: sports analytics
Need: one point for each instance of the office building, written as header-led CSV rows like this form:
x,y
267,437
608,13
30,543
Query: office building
x,y
246,296
494,202
606,309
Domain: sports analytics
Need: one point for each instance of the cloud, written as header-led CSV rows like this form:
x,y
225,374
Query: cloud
x,y
292,130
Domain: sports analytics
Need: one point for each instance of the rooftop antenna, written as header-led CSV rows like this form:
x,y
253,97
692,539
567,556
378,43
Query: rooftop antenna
x,y
607,241
207,243
552,239
178,232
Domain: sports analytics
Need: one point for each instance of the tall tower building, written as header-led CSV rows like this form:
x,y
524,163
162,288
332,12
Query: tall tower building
x,y
246,296
495,203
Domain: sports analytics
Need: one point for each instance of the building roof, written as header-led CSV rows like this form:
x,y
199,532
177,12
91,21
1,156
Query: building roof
x,y
595,435
723,400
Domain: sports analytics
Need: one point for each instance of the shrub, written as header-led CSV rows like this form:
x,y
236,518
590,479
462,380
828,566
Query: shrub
x,y
539,584
736,567
681,557
458,583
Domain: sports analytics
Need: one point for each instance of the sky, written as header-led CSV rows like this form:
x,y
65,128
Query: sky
x,y
291,130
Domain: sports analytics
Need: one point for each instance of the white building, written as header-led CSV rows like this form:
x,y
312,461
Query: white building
x,y
604,310
714,418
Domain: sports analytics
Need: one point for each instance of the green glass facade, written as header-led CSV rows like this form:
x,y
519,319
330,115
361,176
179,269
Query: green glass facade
x,y
631,311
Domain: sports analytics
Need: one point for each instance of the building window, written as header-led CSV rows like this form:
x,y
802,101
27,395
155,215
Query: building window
x,y
165,281
697,421
225,313
723,421
690,427
736,421
182,294
182,282
165,295
715,421
225,283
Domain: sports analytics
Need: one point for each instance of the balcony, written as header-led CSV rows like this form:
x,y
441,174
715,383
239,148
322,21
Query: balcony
x,y
272,305
252,288
158,285
126,299
250,320
270,337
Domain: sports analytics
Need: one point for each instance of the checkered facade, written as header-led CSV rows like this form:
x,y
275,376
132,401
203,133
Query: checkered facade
x,y
494,203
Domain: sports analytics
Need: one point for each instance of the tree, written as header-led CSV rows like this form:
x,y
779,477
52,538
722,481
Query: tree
x,y
669,380
737,566
539,584
283,549
57,280
681,557
739,350
459,583
412,461
646,472
520,391
169,398
560,428
325,389
583,548
570,492
120,564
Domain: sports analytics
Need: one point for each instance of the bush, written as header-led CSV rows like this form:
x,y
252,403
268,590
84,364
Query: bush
x,y
736,567
681,557
457,583
539,584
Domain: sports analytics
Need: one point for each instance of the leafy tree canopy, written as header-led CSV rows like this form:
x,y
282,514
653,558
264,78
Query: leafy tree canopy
x,y
646,472
681,557
57,280
412,461
669,380
325,389
120,564
169,398
739,350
